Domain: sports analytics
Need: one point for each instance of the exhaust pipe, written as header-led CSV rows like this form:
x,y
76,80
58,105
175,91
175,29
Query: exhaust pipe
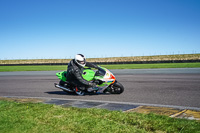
x,y
62,88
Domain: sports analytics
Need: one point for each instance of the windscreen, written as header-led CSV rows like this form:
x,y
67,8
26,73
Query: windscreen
x,y
102,71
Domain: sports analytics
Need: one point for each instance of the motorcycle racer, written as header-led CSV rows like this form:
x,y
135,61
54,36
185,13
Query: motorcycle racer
x,y
75,71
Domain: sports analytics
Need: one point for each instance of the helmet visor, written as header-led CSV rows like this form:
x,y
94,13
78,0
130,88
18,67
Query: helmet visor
x,y
81,62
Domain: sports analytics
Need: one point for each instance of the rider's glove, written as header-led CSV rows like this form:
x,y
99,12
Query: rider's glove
x,y
92,84
96,82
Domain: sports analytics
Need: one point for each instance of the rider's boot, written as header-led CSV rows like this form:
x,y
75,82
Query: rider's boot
x,y
79,92
92,89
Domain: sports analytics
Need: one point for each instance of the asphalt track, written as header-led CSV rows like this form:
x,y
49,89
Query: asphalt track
x,y
167,87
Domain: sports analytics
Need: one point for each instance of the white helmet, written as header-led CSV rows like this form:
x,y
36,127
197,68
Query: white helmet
x,y
80,60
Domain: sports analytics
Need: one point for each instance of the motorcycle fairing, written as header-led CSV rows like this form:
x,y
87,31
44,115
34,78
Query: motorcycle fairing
x,y
61,75
107,77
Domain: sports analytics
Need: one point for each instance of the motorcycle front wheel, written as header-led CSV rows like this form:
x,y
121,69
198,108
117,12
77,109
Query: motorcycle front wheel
x,y
116,88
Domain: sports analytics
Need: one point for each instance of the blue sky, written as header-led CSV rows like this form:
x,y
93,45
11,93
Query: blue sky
x,y
45,29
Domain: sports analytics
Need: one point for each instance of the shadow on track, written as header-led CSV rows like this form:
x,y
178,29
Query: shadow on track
x,y
73,94
60,93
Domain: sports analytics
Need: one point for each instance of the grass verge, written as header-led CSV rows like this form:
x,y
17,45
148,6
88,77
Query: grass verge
x,y
110,59
38,117
117,66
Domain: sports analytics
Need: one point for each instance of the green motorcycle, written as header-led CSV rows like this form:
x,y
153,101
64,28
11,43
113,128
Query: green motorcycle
x,y
106,82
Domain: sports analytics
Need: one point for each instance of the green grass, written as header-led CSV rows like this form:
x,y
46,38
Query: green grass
x,y
156,65
117,66
37,117
33,68
110,59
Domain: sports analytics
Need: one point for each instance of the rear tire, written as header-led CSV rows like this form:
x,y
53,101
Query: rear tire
x,y
116,88
64,84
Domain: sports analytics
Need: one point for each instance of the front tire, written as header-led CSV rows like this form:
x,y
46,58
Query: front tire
x,y
116,88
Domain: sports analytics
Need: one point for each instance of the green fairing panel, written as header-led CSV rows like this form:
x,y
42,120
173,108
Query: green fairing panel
x,y
88,74
61,75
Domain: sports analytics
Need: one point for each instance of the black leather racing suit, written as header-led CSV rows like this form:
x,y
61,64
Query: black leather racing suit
x,y
74,75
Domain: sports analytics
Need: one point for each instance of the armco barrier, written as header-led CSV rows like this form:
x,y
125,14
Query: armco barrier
x,y
110,63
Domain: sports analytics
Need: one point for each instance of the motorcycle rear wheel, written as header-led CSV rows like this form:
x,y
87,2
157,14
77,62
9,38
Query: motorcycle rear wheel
x,y
64,84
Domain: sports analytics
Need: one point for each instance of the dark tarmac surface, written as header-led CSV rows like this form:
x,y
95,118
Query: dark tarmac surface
x,y
166,87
